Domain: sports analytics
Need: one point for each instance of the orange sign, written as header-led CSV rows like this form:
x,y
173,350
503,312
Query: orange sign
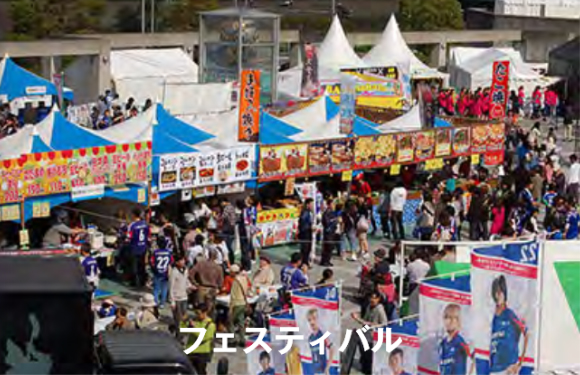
x,y
249,120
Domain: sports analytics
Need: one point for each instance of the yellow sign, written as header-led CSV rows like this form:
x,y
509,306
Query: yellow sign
x,y
40,209
433,164
347,176
24,238
277,215
289,187
141,196
395,169
11,212
475,159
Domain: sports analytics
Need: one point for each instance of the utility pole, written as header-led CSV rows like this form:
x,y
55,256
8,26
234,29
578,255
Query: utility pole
x,y
152,16
333,7
143,16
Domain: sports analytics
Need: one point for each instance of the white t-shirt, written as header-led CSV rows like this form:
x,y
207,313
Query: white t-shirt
x,y
417,270
398,198
574,173
194,252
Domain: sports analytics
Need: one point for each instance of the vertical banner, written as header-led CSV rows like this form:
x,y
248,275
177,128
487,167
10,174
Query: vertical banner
x,y
290,363
445,311
499,89
402,360
249,120
347,103
310,86
260,362
57,79
504,316
316,313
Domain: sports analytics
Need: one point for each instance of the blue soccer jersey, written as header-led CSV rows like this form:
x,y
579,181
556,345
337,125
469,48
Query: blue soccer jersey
x,y
138,237
269,371
506,329
160,261
90,267
572,220
453,354
319,361
549,198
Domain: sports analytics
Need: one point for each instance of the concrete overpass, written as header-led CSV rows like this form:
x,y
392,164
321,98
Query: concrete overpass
x,y
96,48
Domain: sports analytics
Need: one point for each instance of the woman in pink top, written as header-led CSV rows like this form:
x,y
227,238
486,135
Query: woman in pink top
x,y
442,100
486,97
450,104
476,108
521,97
498,215
462,103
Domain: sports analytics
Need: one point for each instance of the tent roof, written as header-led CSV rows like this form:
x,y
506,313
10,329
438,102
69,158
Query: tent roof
x,y
172,64
481,64
393,50
409,121
15,81
335,51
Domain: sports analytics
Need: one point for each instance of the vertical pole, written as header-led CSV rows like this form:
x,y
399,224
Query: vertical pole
x,y
152,16
333,8
401,271
539,288
143,16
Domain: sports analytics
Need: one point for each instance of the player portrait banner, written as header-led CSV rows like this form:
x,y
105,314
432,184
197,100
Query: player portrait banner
x,y
504,282
402,360
249,120
290,363
499,89
310,86
259,361
317,311
445,311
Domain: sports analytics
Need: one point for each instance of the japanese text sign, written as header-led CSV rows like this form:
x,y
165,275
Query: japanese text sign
x,y
249,117
499,89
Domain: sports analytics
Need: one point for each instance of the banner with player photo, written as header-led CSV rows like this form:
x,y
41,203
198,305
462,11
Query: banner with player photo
x,y
504,284
445,311
317,311
260,362
290,362
402,360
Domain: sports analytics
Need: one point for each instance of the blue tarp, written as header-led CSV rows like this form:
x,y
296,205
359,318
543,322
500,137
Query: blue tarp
x,y
271,137
17,82
68,136
272,123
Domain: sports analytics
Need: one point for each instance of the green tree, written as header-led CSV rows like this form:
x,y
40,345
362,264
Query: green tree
x,y
428,15
38,19
182,15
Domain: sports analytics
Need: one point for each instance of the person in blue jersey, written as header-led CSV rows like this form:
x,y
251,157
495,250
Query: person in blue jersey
x,y
90,266
161,260
320,362
571,229
527,198
265,363
138,236
453,350
506,331
396,361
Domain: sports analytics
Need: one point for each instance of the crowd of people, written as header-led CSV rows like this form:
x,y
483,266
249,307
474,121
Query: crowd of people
x,y
110,111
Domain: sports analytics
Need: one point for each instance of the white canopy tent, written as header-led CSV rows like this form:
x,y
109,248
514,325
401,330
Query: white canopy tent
x,y
472,70
168,76
392,50
409,121
334,53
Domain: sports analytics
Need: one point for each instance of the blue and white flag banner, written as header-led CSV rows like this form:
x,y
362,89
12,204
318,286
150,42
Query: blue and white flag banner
x,y
444,329
402,360
277,321
260,362
504,283
317,311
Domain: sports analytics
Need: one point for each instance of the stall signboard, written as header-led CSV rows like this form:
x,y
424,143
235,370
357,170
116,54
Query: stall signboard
x,y
443,142
46,174
495,138
424,145
499,89
233,188
177,171
40,209
479,137
342,155
405,147
10,212
249,116
461,142
278,226
376,151
319,158
10,181
282,161
80,193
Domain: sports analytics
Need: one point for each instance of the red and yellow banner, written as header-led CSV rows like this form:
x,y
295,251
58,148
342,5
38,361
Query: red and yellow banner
x,y
499,89
249,117
59,171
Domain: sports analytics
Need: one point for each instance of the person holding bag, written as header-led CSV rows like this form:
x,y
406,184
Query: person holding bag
x,y
238,304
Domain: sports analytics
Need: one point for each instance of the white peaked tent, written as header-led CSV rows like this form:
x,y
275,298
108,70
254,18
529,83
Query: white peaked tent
x,y
410,121
334,53
168,76
392,50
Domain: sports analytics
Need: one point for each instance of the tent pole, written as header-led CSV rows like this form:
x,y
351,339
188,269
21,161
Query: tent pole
x,y
143,16
23,218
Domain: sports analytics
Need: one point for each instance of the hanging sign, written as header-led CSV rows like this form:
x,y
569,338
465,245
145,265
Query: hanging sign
x,y
40,209
347,176
347,103
87,192
249,117
11,212
289,186
283,161
310,86
499,89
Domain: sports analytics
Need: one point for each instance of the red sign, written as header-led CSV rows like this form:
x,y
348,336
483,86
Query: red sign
x,y
499,89
249,120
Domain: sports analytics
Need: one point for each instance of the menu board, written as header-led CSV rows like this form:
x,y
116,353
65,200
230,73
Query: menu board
x,y
283,161
424,145
495,138
185,171
375,151
10,181
319,158
278,226
479,135
342,155
461,141
405,147
443,142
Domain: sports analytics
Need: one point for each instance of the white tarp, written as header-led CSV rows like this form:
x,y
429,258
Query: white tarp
x,y
168,76
393,50
18,144
224,126
560,334
409,121
477,71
